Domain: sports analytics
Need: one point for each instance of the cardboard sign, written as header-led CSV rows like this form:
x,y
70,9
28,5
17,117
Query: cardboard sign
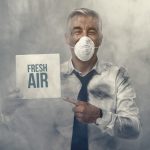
x,y
38,75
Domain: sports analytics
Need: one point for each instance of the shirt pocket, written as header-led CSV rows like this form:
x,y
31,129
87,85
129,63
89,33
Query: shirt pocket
x,y
103,96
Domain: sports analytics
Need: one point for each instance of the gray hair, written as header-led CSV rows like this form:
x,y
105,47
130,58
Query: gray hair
x,y
85,12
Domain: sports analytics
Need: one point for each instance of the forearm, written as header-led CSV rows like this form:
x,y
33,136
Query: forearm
x,y
117,125
127,123
127,127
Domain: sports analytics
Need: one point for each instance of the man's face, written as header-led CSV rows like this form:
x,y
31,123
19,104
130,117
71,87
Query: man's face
x,y
80,26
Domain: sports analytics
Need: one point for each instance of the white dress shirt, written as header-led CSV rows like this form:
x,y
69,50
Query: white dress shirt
x,y
47,124
111,90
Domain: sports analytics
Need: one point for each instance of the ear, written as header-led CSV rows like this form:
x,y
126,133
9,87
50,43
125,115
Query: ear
x,y
67,38
100,39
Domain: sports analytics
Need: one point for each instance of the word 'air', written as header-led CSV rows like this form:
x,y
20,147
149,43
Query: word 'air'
x,y
38,77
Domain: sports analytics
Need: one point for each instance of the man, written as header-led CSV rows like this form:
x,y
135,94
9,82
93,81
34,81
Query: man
x,y
109,102
102,96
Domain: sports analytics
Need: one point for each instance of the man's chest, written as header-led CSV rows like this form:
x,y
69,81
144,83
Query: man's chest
x,y
101,90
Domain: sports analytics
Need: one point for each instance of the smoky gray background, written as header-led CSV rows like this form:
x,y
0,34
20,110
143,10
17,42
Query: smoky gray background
x,y
38,26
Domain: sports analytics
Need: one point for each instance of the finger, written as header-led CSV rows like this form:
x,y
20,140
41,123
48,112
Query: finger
x,y
79,109
15,96
19,95
70,100
79,115
81,102
11,91
73,109
80,120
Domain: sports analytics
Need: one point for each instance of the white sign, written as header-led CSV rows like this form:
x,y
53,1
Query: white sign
x,y
38,75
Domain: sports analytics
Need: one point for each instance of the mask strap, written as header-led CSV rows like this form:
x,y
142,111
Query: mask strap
x,y
73,47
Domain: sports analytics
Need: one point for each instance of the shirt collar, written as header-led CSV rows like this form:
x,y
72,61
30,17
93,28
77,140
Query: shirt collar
x,y
70,68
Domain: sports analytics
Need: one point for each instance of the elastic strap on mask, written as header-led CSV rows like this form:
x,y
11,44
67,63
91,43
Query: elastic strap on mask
x,y
71,47
74,46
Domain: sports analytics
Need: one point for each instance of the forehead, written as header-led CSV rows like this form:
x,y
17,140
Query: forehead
x,y
83,21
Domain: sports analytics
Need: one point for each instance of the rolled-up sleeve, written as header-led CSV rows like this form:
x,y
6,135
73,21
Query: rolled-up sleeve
x,y
125,122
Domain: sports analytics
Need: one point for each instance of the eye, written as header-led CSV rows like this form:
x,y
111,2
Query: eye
x,y
92,32
77,32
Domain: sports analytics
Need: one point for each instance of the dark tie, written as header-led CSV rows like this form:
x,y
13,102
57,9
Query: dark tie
x,y
80,130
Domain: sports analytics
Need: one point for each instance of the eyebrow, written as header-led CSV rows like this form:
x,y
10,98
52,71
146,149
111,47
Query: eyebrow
x,y
79,28
76,28
91,28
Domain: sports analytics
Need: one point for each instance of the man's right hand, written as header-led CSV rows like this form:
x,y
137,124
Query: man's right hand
x,y
12,101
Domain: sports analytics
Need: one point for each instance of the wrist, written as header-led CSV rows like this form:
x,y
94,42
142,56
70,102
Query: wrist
x,y
100,115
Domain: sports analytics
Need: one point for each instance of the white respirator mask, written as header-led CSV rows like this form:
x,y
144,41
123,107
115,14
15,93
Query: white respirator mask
x,y
84,48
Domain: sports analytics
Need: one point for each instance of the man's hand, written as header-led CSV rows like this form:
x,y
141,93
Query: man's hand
x,y
12,101
86,112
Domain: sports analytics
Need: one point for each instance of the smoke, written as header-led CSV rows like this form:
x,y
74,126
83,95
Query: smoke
x,y
38,27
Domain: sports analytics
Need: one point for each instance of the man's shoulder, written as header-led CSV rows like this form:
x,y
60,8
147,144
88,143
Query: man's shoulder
x,y
108,66
113,69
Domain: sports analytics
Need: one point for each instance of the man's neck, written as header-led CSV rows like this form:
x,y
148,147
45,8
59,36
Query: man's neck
x,y
84,67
